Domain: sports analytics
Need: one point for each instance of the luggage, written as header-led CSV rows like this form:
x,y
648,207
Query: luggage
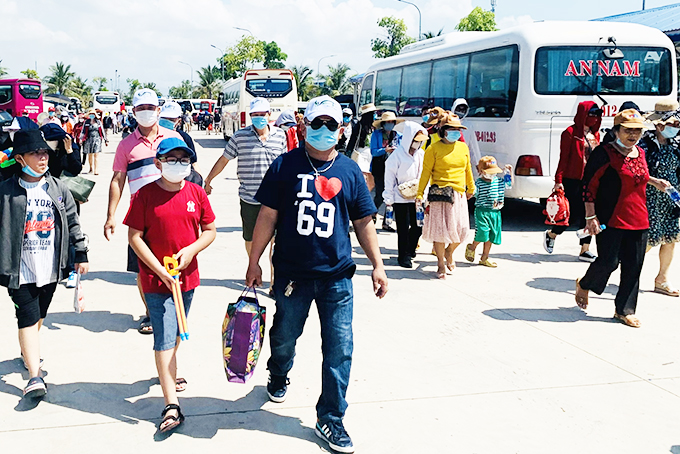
x,y
243,336
557,209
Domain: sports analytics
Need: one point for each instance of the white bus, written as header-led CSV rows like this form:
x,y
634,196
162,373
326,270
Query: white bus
x,y
106,101
523,85
276,85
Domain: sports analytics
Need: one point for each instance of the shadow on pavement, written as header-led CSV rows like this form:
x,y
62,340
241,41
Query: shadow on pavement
x,y
561,285
523,216
675,449
210,141
94,321
561,315
114,277
536,258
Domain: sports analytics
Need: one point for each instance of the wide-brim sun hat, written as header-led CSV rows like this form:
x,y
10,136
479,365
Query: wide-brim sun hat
x,y
387,116
436,114
366,108
27,140
662,109
451,120
630,118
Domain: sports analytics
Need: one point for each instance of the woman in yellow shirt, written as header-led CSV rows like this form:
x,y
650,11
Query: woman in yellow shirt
x,y
447,165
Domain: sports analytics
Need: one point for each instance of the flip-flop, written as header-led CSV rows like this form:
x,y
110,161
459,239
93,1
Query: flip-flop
x,y
666,289
629,320
581,300
488,263
469,253
176,420
145,326
180,385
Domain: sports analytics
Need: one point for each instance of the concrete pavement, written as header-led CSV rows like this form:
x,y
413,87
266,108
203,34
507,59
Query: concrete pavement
x,y
487,361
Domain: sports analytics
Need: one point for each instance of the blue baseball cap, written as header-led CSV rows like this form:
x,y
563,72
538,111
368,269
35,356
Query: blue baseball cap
x,y
173,143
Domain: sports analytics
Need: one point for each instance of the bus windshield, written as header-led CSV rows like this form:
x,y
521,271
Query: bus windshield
x,y
29,91
106,99
584,70
270,88
5,94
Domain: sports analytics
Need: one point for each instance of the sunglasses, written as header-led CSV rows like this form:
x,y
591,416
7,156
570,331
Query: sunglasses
x,y
331,124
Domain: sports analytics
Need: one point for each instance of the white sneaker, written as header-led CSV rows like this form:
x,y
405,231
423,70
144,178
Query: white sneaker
x,y
548,242
71,282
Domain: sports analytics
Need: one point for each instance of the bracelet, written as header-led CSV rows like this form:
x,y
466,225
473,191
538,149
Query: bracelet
x,y
588,218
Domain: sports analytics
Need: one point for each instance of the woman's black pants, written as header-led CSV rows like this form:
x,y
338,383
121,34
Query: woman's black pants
x,y
378,172
615,246
408,232
573,191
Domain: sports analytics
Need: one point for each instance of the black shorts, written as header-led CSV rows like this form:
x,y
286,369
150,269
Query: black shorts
x,y
31,302
249,213
132,261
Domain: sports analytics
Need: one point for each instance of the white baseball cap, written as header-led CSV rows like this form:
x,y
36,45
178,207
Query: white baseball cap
x,y
347,111
145,96
259,105
171,110
323,105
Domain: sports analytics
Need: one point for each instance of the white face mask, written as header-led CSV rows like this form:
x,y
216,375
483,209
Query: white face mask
x,y
416,145
175,173
147,118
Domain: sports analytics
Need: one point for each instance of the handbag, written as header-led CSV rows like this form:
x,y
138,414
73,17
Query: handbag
x,y
437,194
80,187
242,336
409,189
557,209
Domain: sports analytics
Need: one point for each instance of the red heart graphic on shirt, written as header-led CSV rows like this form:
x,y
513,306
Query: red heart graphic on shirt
x,y
327,188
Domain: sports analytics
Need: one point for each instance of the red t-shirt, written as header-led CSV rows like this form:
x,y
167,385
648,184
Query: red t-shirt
x,y
170,221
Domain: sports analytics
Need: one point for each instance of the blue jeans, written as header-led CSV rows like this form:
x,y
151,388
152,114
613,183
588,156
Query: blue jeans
x,y
334,302
164,318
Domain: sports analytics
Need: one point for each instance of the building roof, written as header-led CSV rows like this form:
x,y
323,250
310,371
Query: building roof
x,y
664,18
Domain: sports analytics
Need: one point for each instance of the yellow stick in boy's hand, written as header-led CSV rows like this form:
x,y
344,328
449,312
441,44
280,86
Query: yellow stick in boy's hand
x,y
171,264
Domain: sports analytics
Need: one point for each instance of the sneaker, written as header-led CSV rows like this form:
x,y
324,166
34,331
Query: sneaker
x,y
277,387
587,257
334,433
548,242
23,362
71,282
405,262
35,388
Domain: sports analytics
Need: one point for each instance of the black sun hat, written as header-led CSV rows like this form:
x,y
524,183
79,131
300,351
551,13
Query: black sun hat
x,y
27,140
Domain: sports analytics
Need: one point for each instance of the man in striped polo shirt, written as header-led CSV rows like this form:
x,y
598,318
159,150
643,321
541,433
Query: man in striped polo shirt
x,y
256,147
134,162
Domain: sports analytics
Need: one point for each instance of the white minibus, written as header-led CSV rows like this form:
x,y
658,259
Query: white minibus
x,y
276,85
523,85
106,101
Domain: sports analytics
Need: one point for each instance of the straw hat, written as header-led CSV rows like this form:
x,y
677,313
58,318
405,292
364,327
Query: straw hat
x,y
629,118
421,136
435,114
386,116
452,120
662,109
370,107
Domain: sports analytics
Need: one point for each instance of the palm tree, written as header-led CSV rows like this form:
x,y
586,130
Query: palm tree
x,y
181,91
337,81
100,82
209,84
60,79
428,35
81,90
30,74
302,76
3,70
151,86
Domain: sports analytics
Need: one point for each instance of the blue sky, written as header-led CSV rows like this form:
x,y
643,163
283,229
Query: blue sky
x,y
146,39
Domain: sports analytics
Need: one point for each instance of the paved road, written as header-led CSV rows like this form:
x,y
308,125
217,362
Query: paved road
x,y
488,361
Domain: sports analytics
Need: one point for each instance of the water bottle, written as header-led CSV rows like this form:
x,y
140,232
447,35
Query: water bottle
x,y
420,214
675,195
582,233
507,178
389,216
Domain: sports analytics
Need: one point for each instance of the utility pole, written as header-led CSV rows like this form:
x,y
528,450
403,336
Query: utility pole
x,y
493,6
420,18
643,5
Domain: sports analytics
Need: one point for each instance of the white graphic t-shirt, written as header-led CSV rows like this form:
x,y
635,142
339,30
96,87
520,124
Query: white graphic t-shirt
x,y
37,253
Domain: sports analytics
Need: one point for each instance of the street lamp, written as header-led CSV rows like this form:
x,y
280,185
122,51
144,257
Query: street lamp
x,y
245,30
318,65
420,18
192,71
221,58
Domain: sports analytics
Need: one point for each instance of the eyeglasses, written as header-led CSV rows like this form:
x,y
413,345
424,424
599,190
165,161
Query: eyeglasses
x,y
173,161
631,131
331,124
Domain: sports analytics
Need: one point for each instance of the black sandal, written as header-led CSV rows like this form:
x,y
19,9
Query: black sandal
x,y
177,420
145,326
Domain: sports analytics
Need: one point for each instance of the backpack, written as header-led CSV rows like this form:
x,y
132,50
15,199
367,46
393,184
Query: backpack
x,y
557,209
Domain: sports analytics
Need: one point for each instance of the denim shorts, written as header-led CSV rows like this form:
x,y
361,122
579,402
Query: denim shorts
x,y
164,318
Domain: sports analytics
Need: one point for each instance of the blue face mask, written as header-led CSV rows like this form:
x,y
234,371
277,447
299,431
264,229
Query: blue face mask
x,y
669,132
426,117
375,117
388,127
259,122
164,122
619,143
453,135
322,139
32,173
91,117
346,119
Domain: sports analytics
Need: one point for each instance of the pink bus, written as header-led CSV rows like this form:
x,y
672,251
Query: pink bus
x,y
17,95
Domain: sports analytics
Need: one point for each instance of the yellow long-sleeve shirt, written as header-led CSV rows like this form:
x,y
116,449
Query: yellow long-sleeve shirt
x,y
447,164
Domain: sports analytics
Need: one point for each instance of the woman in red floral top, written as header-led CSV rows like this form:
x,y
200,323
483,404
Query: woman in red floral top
x,y
614,192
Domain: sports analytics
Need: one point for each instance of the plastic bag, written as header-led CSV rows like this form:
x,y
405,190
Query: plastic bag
x,y
78,296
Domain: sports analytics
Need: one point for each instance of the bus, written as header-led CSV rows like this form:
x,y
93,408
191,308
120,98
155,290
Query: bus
x,y
276,85
17,95
523,86
106,101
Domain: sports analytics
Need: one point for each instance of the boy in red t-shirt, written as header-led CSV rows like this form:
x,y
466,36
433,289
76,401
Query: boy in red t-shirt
x,y
169,217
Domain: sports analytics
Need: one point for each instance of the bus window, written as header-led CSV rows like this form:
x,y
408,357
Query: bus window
x,y
387,89
366,91
581,70
5,94
415,83
106,99
269,88
29,91
492,83
449,79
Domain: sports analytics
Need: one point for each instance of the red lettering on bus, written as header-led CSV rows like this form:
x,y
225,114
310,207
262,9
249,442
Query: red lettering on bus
x,y
631,70
603,67
586,67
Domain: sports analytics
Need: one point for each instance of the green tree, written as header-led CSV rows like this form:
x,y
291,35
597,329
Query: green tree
x,y
181,91
81,90
337,81
60,79
273,56
152,86
100,83
3,70
238,58
478,20
209,83
303,80
30,74
134,85
428,35
396,38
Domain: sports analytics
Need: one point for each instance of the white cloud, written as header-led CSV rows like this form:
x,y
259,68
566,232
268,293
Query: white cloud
x,y
513,21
